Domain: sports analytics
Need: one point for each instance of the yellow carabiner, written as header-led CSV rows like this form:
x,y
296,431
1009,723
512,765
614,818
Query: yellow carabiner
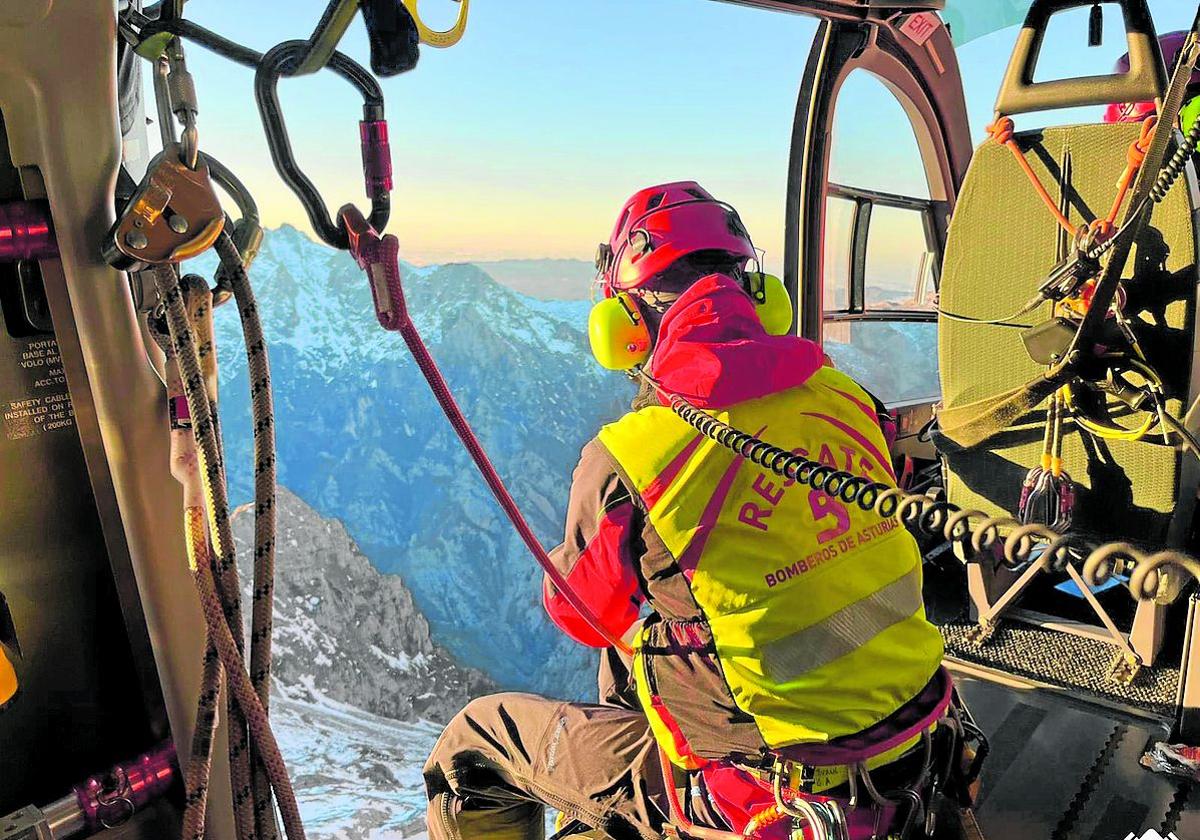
x,y
441,40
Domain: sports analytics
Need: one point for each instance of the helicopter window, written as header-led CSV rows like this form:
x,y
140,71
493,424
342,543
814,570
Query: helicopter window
x,y
1071,26
881,258
517,150
839,249
1065,54
899,269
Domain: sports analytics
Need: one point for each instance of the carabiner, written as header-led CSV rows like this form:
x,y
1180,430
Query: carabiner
x,y
175,98
434,38
338,16
376,153
247,231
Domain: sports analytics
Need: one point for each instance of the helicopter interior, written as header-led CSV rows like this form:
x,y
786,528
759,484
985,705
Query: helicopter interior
x,y
1067,599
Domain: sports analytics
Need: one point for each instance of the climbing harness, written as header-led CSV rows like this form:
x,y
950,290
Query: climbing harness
x,y
949,745
379,257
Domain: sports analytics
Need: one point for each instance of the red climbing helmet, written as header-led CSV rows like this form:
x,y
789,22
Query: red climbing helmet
x,y
659,226
1170,44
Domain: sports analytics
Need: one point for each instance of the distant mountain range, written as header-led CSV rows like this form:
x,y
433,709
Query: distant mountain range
x,y
362,439
543,279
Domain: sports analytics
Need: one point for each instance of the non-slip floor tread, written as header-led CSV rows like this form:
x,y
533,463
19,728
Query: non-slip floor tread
x,y
1065,660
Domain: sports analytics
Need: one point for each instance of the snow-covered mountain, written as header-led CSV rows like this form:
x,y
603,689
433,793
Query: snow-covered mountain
x,y
357,775
360,691
345,632
361,439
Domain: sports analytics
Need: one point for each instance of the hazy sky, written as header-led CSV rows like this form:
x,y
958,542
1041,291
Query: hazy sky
x,y
524,139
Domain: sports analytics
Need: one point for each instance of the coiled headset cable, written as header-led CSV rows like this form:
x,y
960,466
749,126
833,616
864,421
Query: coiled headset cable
x,y
1148,572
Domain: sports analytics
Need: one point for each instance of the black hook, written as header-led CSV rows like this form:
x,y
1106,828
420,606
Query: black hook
x,y
279,61
1096,26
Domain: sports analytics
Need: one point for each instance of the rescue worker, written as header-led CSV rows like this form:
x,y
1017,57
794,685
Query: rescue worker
x,y
776,614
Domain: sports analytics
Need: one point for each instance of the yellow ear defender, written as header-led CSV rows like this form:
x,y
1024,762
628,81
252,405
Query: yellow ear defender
x,y
771,301
621,340
618,333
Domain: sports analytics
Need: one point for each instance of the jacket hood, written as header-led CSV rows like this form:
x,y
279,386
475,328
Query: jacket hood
x,y
712,349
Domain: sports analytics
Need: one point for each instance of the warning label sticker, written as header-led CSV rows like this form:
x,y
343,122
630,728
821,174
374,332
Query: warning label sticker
x,y
920,27
45,404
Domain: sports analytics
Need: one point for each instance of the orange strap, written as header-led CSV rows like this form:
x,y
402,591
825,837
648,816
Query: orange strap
x,y
1002,132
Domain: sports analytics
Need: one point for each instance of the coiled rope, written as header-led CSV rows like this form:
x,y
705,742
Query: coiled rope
x,y
262,408
198,770
198,304
218,597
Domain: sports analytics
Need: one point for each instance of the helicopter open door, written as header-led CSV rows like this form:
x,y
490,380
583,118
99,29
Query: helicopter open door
x,y
841,262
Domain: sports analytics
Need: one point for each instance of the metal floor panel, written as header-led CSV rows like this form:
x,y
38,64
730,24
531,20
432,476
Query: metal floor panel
x,y
1126,797
1063,770
1076,663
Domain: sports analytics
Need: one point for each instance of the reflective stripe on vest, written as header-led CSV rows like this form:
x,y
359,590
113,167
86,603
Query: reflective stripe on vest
x,y
843,632
814,605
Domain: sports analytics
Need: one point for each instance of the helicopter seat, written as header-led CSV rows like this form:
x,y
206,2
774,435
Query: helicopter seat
x,y
1002,245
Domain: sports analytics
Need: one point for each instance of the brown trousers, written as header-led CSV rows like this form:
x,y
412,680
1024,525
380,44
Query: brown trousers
x,y
503,758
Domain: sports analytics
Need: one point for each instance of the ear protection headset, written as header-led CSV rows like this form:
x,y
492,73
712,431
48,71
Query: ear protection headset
x,y
621,340
617,329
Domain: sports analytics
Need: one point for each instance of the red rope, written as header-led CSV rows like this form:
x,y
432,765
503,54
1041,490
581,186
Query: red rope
x,y
379,257
470,442
1002,132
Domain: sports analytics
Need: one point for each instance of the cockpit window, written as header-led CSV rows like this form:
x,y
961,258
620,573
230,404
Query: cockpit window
x,y
1065,54
881,260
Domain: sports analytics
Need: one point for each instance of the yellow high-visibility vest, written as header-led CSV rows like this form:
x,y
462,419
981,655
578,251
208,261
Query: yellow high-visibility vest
x,y
814,605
